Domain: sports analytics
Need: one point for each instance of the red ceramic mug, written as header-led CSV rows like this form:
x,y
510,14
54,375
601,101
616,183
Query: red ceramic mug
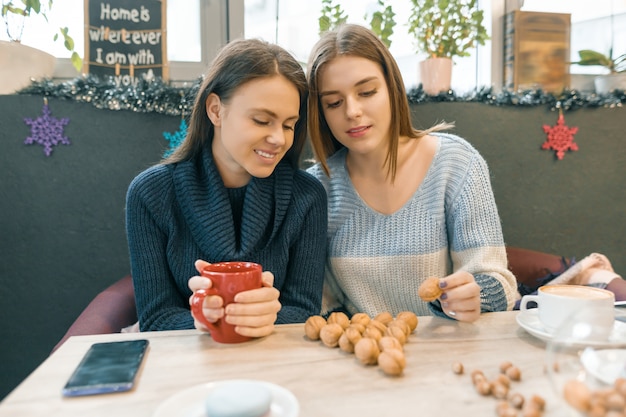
x,y
228,279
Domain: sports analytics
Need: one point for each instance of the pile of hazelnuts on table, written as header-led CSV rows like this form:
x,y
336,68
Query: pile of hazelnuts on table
x,y
374,341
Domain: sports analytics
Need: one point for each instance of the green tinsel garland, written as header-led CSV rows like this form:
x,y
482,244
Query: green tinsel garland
x,y
160,97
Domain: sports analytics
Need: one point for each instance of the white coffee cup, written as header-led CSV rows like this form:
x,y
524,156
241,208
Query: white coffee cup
x,y
559,303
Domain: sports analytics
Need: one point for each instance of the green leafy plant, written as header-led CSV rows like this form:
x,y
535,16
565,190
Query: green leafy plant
x,y
446,28
590,57
15,14
332,16
382,22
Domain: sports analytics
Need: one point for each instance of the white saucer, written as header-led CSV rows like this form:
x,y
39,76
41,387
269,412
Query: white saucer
x,y
529,321
190,402
605,364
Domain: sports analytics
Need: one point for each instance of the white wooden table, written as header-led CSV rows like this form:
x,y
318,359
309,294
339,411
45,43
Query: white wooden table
x,y
327,382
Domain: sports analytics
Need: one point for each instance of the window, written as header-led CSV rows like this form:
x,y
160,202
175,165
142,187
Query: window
x,y
294,25
194,33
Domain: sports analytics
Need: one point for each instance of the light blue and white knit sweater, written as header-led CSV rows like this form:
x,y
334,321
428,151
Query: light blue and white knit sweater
x,y
377,262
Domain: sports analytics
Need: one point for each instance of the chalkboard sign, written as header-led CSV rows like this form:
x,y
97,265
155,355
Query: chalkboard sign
x,y
126,39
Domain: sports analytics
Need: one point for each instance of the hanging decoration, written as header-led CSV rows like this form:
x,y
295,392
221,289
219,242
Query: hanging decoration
x,y
176,138
46,130
560,137
159,97
567,100
147,96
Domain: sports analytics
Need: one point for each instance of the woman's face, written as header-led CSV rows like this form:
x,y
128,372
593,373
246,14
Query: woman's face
x,y
254,130
355,102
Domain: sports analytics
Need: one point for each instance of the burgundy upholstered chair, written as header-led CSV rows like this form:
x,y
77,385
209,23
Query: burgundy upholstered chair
x,y
109,312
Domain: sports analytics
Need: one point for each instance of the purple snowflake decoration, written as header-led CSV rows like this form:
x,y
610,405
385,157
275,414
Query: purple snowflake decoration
x,y
176,138
46,130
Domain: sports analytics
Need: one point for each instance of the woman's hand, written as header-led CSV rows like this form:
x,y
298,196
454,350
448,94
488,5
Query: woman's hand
x,y
461,296
253,312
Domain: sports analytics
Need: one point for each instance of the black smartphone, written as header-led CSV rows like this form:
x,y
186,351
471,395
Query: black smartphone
x,y
107,367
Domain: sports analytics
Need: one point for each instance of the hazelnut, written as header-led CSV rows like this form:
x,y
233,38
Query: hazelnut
x,y
429,289
602,392
504,409
500,391
597,401
531,410
388,342
620,386
537,401
384,317
615,401
372,333
483,387
516,400
330,334
409,318
378,325
577,394
392,361
514,373
504,366
357,326
366,350
348,339
360,318
345,344
312,327
503,379
403,325
396,332
339,318
457,368
477,376
598,410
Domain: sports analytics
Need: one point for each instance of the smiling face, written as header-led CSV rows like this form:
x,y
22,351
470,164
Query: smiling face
x,y
355,103
254,130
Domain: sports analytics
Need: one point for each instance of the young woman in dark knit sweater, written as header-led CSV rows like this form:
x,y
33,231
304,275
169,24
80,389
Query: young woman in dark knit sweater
x,y
233,192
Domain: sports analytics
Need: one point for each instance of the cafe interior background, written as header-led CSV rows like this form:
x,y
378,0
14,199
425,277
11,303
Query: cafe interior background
x,y
62,234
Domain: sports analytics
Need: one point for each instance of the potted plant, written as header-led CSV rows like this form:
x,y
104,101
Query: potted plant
x,y
444,29
615,79
381,21
27,62
332,16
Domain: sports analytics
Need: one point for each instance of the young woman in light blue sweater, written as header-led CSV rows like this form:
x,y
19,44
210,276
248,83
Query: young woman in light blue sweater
x,y
233,192
404,204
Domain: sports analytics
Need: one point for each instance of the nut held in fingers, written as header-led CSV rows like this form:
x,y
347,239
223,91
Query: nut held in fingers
x,y
429,289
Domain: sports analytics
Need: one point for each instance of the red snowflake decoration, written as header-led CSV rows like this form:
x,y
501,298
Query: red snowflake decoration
x,y
560,137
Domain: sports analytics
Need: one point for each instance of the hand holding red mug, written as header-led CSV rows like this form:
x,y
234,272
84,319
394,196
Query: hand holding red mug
x,y
233,300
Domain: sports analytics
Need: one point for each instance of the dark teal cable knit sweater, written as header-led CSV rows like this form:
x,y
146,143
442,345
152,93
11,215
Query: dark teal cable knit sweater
x,y
181,212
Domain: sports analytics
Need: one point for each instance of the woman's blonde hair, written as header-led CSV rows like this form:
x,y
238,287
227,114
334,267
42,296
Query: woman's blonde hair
x,y
358,41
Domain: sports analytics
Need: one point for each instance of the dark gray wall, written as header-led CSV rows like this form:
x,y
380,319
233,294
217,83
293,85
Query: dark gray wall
x,y
62,236
62,217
